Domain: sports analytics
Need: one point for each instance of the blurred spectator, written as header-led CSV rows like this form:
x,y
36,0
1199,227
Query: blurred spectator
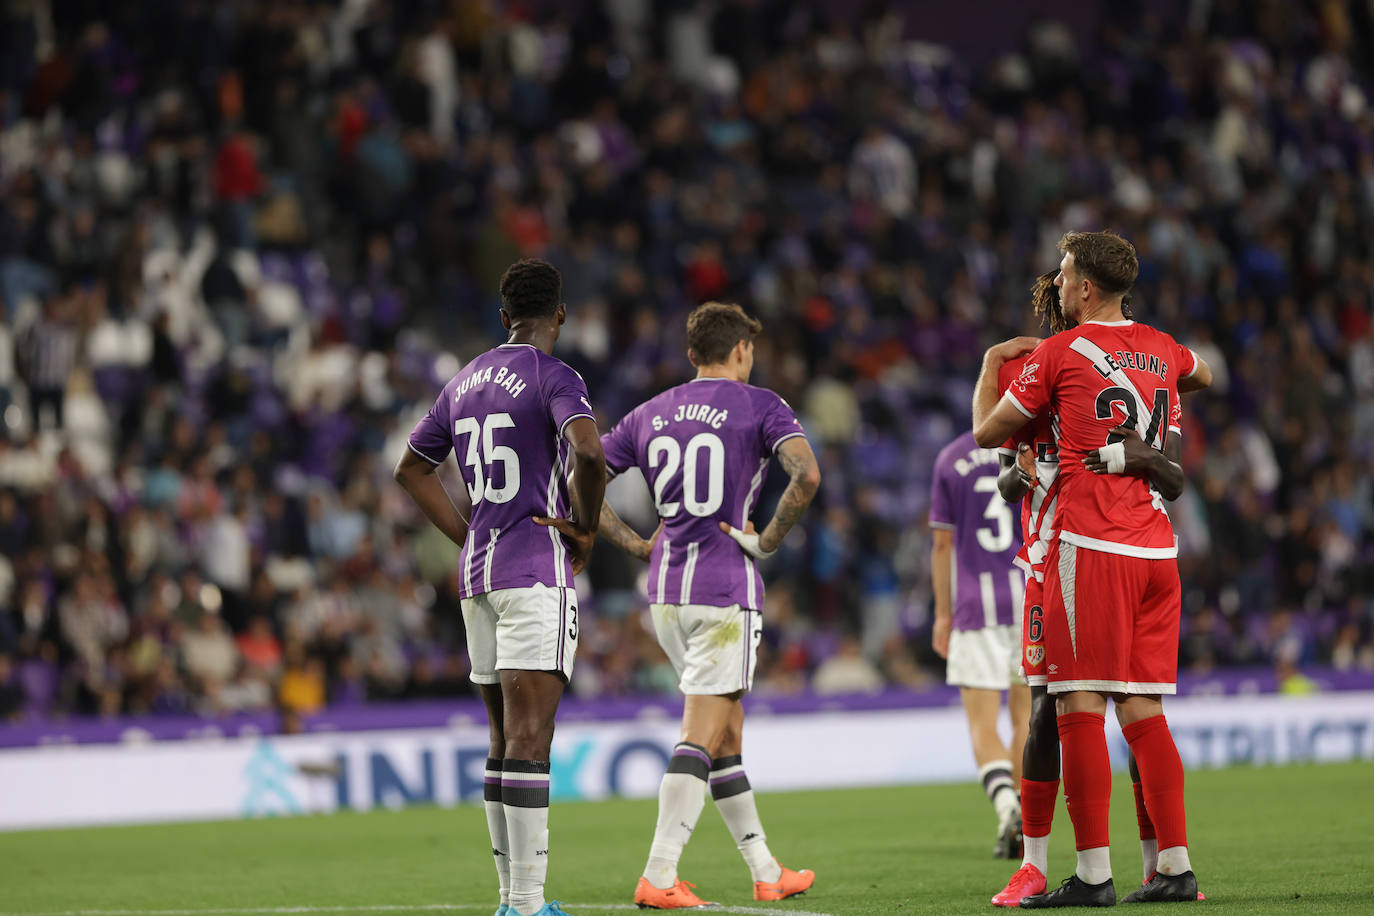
x,y
233,281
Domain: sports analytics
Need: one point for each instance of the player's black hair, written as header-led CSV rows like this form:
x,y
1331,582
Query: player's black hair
x,y
531,288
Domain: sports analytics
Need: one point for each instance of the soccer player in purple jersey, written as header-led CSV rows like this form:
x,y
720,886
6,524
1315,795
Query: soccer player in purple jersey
x,y
704,448
978,596
528,448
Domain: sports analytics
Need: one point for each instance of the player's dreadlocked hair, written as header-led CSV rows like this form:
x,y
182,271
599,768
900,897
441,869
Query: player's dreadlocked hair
x,y
531,288
1045,302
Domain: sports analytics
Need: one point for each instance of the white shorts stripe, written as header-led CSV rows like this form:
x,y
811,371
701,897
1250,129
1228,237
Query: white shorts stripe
x,y
1125,550
1068,568
491,552
688,571
663,559
1130,687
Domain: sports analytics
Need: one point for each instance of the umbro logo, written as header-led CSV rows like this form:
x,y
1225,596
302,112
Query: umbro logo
x,y
1054,669
748,836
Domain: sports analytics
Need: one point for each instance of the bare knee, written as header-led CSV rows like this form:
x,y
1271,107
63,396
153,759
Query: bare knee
x,y
1135,707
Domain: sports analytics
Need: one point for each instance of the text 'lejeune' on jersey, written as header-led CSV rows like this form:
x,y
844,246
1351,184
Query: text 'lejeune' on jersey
x,y
704,448
504,416
1090,380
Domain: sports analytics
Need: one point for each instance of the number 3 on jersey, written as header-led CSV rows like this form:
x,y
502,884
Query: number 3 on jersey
x,y
998,512
483,455
667,454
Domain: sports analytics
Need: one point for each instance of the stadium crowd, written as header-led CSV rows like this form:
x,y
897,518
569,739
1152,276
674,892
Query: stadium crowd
x,y
242,245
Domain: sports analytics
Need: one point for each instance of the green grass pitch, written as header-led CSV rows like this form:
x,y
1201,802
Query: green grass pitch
x,y
1294,839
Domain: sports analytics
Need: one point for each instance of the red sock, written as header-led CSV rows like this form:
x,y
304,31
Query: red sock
x,y
1037,805
1087,777
1142,816
1161,778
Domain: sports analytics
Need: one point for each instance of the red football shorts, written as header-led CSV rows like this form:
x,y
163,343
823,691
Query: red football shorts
x,y
1033,634
1111,622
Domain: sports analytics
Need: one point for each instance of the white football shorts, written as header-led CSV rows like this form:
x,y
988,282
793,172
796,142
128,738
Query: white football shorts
x,y
521,629
988,658
713,649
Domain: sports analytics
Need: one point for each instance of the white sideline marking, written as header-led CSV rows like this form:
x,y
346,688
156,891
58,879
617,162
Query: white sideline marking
x,y
388,908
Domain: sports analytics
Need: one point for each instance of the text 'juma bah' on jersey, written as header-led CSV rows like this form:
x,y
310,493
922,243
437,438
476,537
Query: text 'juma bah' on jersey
x,y
704,448
986,587
1037,508
505,414
1088,381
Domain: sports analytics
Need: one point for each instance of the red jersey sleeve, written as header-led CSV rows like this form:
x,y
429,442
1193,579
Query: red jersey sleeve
x,y
1030,391
1010,371
1187,361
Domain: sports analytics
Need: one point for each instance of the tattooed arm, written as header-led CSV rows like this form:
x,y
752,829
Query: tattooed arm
x,y
614,530
800,464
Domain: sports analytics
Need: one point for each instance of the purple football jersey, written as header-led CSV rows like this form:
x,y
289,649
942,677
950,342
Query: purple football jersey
x,y
704,448
505,414
986,588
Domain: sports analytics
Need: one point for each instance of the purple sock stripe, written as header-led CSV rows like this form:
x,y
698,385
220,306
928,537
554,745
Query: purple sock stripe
x,y
492,780
683,750
717,780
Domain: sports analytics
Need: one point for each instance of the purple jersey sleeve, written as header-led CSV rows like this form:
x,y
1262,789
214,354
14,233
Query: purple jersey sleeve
x,y
777,422
941,509
566,395
619,445
431,438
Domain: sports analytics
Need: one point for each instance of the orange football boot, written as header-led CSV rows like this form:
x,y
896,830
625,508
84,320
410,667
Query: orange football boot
x,y
677,897
789,884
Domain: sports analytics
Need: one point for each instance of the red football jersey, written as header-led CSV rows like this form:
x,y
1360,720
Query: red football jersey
x,y
1088,381
1037,509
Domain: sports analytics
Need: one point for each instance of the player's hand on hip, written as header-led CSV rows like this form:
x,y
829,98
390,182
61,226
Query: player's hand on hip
x,y
939,639
1129,456
748,540
653,539
1025,465
579,541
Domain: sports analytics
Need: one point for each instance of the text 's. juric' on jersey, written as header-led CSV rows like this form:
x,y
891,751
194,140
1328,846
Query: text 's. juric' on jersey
x,y
986,586
505,415
1037,509
1088,381
704,449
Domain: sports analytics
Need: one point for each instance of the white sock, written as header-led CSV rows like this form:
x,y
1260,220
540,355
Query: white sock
x,y
681,796
735,802
1095,865
1174,861
1038,853
1149,856
525,797
496,825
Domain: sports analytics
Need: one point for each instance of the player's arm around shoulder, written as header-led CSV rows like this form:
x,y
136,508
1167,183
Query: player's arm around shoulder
x,y
799,461
995,420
